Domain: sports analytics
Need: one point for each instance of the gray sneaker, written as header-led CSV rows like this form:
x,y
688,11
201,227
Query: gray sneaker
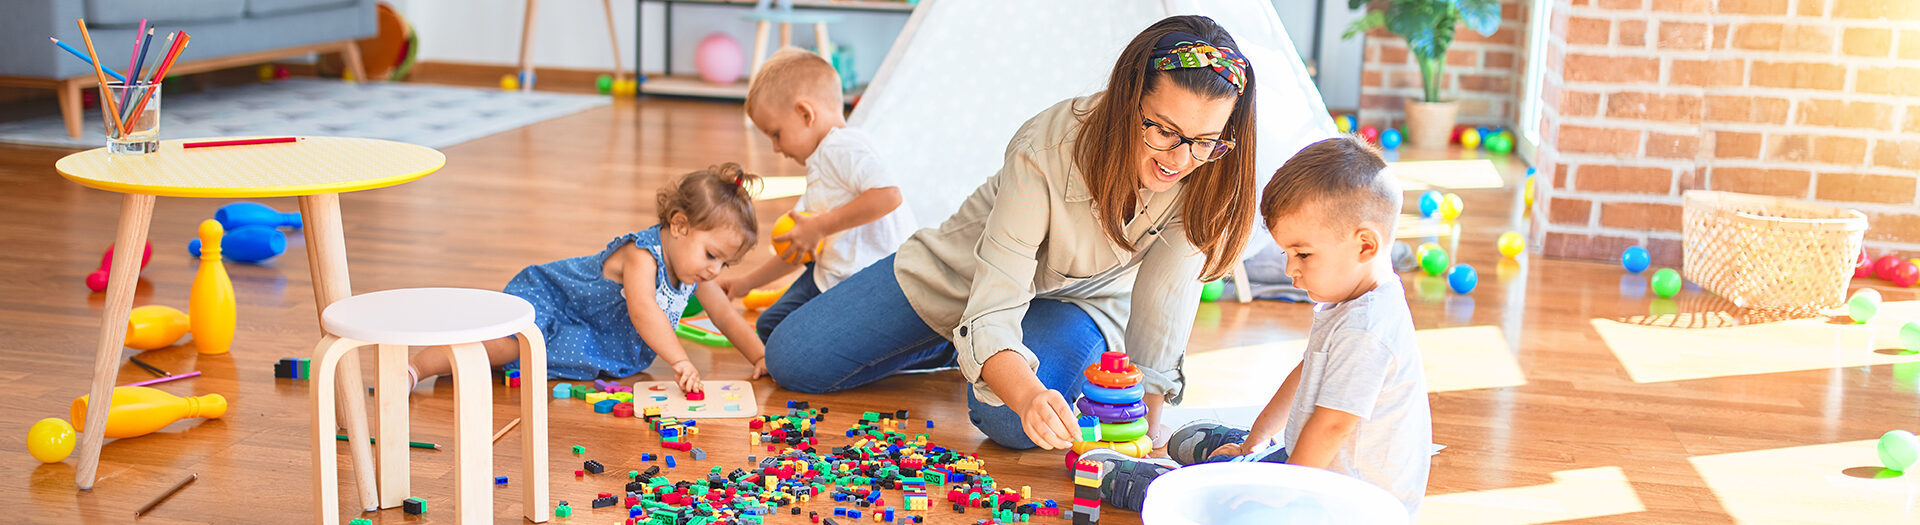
x,y
1124,484
1195,441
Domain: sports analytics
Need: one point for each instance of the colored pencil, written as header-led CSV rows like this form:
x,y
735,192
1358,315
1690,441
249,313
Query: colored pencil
x,y
155,381
168,494
139,62
113,112
240,142
414,444
160,73
503,430
83,56
135,55
156,371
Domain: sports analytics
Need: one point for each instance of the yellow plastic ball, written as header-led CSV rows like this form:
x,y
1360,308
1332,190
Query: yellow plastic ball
x,y
1451,206
1341,123
1470,138
1511,244
781,227
51,440
1527,193
507,82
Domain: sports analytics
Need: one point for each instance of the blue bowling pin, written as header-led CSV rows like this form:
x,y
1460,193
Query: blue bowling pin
x,y
249,244
241,214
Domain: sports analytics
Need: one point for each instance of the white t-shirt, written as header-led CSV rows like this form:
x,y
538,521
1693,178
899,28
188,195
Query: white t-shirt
x,y
1362,359
842,167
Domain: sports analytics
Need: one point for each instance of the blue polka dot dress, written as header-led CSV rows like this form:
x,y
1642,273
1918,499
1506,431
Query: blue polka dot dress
x,y
584,315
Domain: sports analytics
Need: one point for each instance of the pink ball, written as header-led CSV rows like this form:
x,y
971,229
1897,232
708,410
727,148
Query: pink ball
x,y
720,59
1883,268
1904,274
1863,267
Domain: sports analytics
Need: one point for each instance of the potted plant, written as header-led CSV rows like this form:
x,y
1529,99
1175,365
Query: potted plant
x,y
1428,26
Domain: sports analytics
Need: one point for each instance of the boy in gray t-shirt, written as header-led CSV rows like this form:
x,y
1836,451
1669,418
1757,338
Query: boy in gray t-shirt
x,y
1357,403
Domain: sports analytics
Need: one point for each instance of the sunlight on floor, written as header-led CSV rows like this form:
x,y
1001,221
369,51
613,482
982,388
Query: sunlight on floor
x,y
1458,358
1573,494
1658,354
780,187
1418,175
1831,483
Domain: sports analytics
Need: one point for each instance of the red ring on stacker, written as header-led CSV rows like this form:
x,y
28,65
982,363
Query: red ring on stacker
x,y
1131,376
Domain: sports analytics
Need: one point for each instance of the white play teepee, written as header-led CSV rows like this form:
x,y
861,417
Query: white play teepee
x,y
964,75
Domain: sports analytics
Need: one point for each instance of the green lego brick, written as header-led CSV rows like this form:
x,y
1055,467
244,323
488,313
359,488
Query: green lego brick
x,y
577,449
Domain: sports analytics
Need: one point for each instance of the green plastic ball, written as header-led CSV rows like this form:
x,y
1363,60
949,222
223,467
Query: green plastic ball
x,y
1863,305
604,84
1500,143
1211,292
1434,260
1666,283
1899,450
1910,336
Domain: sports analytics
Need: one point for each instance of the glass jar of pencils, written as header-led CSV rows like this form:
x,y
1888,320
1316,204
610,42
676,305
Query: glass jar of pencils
x,y
132,115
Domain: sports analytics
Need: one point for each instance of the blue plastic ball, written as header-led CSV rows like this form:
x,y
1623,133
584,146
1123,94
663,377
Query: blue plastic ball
x,y
1636,259
1390,138
1430,203
1462,278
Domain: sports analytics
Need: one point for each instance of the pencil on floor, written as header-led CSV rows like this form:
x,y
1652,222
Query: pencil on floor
x,y
156,371
503,430
168,494
414,444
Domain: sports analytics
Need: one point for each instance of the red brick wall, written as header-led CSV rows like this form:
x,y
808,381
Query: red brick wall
x,y
1810,99
1483,73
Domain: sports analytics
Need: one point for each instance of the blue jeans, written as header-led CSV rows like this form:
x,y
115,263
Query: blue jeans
x,y
801,291
864,330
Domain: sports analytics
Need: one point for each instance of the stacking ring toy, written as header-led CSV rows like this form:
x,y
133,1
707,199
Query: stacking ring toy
x,y
1129,377
1138,448
1111,413
1114,396
1128,431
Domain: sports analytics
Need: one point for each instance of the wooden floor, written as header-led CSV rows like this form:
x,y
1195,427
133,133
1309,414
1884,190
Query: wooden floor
x,y
1561,389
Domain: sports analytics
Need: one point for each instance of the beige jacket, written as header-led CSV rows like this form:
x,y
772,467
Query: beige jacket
x,y
1031,231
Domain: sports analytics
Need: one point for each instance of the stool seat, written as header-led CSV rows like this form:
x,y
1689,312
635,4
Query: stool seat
x,y
428,316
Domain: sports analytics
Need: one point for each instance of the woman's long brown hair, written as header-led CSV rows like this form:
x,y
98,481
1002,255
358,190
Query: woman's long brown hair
x,y
1218,206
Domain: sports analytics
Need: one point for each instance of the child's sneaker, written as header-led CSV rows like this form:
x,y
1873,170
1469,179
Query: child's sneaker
x,y
1195,441
1125,483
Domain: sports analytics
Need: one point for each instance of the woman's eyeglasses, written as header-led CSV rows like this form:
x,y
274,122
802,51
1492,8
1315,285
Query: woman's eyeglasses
x,y
1160,138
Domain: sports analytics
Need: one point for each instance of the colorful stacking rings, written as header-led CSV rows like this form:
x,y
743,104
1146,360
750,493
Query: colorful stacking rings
x,y
1111,413
1114,396
1127,431
1137,448
1110,379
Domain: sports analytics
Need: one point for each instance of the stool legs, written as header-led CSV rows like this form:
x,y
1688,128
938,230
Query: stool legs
x,y
533,424
394,426
820,42
320,394
759,57
473,433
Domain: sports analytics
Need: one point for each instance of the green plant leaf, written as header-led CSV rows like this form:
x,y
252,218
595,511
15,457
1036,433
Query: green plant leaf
x,y
1364,24
1417,23
1356,4
1482,16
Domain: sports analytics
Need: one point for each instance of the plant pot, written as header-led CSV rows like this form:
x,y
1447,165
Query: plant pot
x,y
1430,124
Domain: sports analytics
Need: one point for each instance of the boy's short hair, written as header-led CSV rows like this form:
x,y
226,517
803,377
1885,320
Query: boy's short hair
x,y
1346,174
793,74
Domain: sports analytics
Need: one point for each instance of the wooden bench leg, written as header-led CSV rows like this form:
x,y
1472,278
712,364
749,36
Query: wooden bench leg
x,y
395,467
70,109
350,55
320,397
473,433
533,424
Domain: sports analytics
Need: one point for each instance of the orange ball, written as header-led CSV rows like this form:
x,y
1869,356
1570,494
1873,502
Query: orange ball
x,y
781,227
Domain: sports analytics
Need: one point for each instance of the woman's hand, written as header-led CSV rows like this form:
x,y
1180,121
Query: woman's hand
x,y
1048,421
803,239
687,376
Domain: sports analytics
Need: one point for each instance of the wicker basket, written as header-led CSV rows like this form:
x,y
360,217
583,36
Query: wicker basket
x,y
1768,252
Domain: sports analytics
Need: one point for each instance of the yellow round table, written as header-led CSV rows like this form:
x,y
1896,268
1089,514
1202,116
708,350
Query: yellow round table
x,y
315,169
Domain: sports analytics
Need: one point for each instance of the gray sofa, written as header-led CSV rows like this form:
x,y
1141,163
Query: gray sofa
x,y
226,33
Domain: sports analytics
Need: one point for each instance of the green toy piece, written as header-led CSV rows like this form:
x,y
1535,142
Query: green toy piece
x,y
1863,305
604,84
561,511
1211,292
1899,450
577,449
1666,283
1910,336
1434,260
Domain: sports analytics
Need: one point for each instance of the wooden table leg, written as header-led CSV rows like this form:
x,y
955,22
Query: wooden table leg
x,y
136,211
533,418
327,257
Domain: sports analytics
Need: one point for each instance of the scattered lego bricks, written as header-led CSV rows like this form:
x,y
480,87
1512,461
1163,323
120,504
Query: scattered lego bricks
x,y
416,505
293,368
593,467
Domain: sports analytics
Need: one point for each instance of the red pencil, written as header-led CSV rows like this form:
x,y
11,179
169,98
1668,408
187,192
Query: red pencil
x,y
160,73
241,142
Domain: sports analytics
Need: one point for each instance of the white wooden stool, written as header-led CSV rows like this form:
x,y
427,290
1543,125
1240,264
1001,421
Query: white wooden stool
x,y
462,319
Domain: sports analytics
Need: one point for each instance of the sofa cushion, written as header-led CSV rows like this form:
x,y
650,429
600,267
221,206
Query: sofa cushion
x,y
127,13
274,7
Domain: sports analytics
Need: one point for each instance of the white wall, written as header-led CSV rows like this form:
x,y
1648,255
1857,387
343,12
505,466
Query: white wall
x,y
573,33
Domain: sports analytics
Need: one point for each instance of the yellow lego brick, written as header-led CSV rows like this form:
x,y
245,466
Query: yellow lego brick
x,y
596,397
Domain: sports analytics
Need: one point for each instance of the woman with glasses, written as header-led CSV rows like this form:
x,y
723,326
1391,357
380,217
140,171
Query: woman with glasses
x,y
1095,236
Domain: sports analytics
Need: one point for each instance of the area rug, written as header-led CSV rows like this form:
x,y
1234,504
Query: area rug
x,y
428,115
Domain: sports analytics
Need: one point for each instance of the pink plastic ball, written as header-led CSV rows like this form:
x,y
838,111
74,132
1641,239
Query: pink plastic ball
x,y
1883,268
1863,267
1372,134
720,59
1904,274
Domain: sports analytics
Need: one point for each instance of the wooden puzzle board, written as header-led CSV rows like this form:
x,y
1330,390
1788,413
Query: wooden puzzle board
x,y
725,399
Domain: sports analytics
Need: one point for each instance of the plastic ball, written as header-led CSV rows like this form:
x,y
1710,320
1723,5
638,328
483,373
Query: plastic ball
x,y
1636,259
509,83
1863,267
1910,336
1370,133
1470,138
1390,138
1883,266
1462,278
604,84
1863,305
1899,450
1434,260
266,72
1353,121
1512,243
1212,290
1454,137
51,440
1340,122
720,59
1500,144
1451,206
1429,203
1904,274
781,227
1666,283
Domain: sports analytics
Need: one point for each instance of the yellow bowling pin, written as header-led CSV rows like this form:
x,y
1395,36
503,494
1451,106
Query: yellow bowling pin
x,y
153,327
210,308
138,410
